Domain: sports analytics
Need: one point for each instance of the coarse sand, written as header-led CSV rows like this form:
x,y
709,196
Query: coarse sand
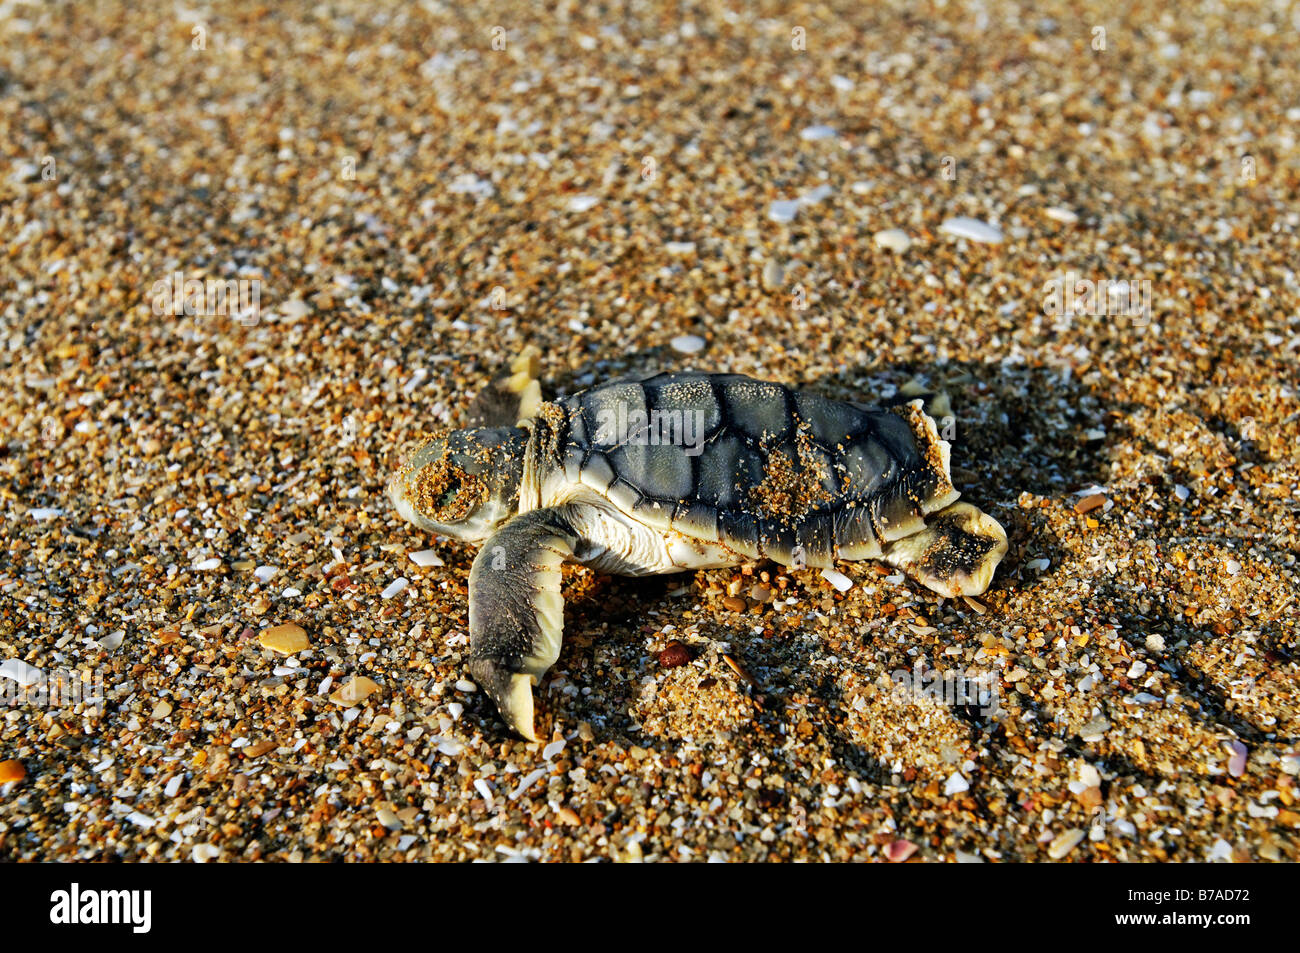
x,y
251,249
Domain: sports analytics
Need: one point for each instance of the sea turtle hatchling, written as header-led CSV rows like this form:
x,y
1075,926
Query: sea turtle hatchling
x,y
674,472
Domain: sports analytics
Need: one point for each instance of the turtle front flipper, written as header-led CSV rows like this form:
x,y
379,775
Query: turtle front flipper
x,y
516,610
955,554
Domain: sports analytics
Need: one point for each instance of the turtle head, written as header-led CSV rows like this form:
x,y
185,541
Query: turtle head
x,y
461,483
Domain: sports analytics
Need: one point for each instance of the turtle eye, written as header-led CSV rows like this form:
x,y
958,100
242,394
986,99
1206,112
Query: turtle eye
x,y
449,496
446,493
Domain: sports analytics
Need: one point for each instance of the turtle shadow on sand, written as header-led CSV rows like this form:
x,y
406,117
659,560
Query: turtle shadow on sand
x,y
1023,429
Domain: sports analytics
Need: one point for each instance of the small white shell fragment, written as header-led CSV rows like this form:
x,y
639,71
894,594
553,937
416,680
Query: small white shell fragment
x,y
295,308
465,685
1232,566
425,558
680,248
394,588
265,573
1237,763
1094,730
113,641
1058,214
842,83
816,133
455,709
1155,643
554,748
971,229
956,785
773,275
1181,492
173,785
44,512
208,564
527,782
837,579
583,203
1137,669
1065,843
687,344
202,853
1037,564
892,239
783,210
484,790
19,671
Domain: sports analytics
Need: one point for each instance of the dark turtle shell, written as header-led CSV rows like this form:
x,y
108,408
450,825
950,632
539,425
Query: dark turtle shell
x,y
762,469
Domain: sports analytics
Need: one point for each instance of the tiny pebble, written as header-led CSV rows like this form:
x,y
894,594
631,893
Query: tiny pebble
x,y
1089,503
1065,843
837,579
783,210
972,229
899,850
354,691
1237,762
892,239
688,344
286,638
773,275
674,655
817,133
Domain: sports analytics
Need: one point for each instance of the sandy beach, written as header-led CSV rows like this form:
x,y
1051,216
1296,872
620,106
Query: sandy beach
x,y
253,250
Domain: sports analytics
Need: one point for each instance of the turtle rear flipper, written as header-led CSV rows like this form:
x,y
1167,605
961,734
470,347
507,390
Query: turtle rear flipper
x,y
510,400
955,554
